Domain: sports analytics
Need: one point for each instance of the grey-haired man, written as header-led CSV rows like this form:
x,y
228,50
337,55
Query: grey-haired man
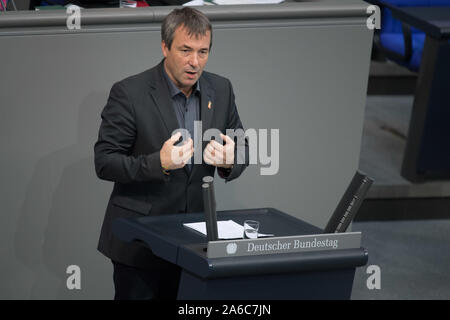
x,y
136,148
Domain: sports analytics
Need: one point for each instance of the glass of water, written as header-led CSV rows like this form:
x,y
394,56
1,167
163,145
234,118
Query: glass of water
x,y
251,228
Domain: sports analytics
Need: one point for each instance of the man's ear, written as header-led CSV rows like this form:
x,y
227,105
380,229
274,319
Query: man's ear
x,y
164,48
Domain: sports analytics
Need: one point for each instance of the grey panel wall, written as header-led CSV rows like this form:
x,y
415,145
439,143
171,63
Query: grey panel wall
x,y
303,72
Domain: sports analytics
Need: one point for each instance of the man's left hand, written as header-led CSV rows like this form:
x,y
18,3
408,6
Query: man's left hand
x,y
219,155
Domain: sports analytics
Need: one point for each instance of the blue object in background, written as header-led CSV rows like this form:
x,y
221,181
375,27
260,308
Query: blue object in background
x,y
399,42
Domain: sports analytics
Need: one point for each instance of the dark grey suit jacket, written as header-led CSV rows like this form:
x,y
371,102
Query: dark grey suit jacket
x,y
136,121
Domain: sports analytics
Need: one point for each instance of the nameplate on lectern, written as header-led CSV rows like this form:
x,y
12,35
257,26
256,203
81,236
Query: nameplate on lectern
x,y
279,245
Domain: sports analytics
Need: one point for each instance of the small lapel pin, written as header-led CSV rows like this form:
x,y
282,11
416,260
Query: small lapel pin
x,y
209,105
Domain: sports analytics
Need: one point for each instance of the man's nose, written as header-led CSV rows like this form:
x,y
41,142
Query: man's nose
x,y
194,60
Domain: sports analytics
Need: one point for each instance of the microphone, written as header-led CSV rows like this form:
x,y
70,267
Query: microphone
x,y
350,202
209,204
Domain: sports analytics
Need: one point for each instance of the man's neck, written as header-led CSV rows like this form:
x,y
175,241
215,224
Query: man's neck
x,y
188,92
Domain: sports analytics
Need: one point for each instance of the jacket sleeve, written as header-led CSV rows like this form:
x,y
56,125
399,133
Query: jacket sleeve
x,y
241,149
117,134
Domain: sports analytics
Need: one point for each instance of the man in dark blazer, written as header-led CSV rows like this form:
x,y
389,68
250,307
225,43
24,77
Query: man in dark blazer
x,y
137,148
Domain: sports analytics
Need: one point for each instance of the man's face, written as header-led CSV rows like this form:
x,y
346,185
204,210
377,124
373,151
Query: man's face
x,y
186,58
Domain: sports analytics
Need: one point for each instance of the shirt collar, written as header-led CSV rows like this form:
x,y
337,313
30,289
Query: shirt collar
x,y
173,89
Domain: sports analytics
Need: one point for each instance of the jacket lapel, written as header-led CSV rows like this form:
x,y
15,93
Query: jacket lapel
x,y
206,104
161,96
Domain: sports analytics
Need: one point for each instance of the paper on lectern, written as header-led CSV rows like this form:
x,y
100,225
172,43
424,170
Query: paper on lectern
x,y
226,229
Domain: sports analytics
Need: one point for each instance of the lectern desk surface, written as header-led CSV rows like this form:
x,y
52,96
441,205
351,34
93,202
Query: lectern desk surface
x,y
169,239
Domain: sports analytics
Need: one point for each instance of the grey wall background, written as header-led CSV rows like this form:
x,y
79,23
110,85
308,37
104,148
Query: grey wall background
x,y
306,76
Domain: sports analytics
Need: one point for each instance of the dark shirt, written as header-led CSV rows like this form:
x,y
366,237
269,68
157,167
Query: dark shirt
x,y
187,109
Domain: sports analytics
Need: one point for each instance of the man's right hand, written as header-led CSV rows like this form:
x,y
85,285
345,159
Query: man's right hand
x,y
175,157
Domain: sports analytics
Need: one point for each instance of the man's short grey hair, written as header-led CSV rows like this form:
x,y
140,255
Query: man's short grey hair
x,y
196,23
